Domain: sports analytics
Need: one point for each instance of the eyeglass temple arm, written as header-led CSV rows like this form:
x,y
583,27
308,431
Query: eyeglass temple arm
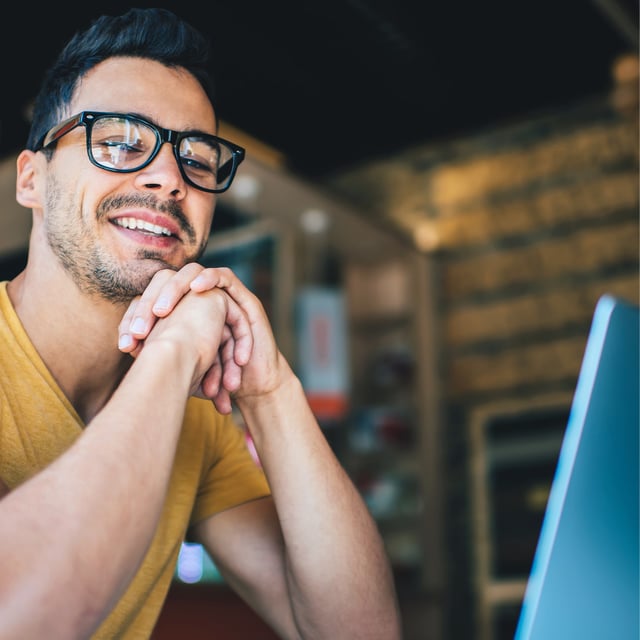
x,y
59,131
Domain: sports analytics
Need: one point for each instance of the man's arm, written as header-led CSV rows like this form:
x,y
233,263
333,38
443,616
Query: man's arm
x,y
67,516
310,559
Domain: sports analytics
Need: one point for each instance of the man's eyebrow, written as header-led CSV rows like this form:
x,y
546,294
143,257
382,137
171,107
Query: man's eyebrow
x,y
143,116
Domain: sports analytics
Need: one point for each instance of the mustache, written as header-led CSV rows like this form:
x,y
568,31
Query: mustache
x,y
148,201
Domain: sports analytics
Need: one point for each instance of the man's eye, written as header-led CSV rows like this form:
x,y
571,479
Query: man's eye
x,y
192,163
122,146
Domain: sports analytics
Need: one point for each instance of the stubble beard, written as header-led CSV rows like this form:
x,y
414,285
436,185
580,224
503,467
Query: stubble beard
x,y
93,270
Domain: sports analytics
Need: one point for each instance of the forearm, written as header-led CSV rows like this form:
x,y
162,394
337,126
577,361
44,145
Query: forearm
x,y
72,537
338,575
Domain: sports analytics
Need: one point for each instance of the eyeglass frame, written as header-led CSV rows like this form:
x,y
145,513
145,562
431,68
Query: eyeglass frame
x,y
174,138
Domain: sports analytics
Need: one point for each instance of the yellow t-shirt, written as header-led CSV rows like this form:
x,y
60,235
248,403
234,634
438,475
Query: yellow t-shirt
x,y
213,469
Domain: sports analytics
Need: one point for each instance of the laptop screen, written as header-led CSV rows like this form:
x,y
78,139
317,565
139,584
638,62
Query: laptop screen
x,y
584,578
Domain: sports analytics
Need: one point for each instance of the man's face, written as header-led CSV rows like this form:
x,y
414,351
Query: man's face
x,y
113,231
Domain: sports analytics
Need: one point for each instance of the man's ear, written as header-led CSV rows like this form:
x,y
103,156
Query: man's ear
x,y
27,193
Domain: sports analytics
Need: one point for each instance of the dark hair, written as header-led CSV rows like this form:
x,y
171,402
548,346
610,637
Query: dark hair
x,y
154,33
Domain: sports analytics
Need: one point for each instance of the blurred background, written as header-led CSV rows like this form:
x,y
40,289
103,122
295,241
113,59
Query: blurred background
x,y
435,196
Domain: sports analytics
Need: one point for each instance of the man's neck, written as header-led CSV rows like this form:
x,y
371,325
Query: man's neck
x,y
75,334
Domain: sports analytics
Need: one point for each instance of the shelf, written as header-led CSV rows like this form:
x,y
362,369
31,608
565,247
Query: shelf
x,y
381,322
514,447
506,591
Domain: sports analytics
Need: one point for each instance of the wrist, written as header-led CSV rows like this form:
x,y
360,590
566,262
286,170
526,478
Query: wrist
x,y
273,406
164,356
273,389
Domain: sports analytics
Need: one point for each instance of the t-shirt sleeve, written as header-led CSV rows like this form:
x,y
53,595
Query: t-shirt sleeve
x,y
232,475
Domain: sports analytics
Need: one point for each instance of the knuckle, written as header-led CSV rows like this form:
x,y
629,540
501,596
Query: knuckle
x,y
218,295
192,269
163,274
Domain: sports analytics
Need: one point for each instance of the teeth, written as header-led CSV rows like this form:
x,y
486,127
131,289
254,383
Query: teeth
x,y
133,223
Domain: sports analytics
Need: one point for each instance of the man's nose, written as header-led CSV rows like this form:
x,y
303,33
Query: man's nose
x,y
163,174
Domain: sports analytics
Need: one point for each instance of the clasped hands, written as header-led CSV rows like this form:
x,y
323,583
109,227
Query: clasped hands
x,y
213,316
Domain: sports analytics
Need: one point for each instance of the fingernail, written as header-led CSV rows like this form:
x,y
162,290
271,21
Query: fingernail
x,y
139,325
162,304
124,341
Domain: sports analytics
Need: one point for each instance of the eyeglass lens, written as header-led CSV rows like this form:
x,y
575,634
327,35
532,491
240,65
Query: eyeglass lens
x,y
122,143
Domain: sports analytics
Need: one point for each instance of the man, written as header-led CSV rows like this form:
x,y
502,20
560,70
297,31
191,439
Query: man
x,y
119,359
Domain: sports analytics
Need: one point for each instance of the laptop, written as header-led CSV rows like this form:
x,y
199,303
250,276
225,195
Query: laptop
x,y
583,583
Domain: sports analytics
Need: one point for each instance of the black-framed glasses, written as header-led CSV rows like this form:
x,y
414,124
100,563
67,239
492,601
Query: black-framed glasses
x,y
125,143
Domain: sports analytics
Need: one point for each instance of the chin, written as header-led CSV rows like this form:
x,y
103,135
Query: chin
x,y
121,287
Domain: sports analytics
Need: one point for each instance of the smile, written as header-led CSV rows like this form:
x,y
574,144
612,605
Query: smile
x,y
140,225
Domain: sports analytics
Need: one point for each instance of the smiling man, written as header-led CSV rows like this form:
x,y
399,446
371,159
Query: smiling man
x,y
119,359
